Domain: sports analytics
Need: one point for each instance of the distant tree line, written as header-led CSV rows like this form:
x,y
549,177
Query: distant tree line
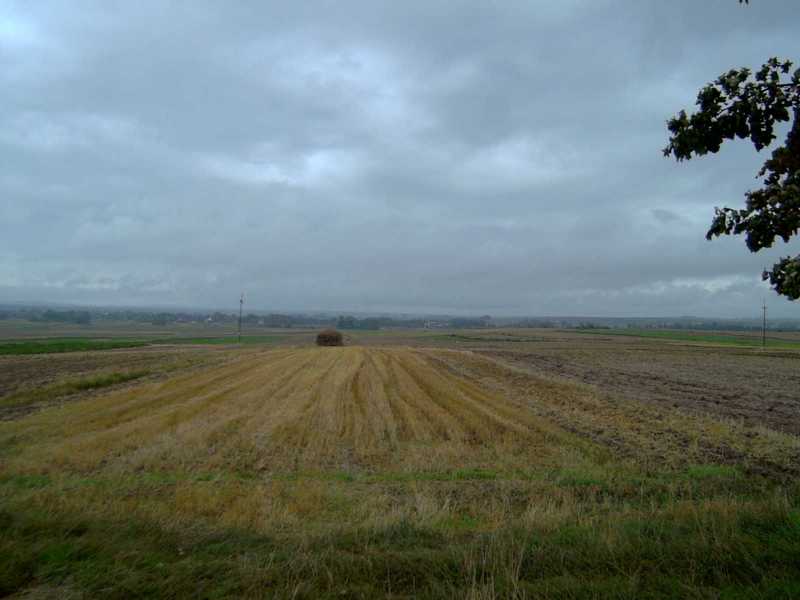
x,y
79,317
352,323
376,323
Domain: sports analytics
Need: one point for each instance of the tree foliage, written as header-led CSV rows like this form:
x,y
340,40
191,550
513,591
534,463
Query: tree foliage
x,y
746,105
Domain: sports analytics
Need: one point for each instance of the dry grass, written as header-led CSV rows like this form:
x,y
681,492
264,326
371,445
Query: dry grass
x,y
392,471
351,409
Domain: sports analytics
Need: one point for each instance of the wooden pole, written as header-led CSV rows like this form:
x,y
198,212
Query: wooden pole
x,y
241,304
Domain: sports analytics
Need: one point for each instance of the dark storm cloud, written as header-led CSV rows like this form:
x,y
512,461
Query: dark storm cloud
x,y
454,157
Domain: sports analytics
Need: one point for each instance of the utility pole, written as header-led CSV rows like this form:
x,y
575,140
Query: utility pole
x,y
241,304
764,325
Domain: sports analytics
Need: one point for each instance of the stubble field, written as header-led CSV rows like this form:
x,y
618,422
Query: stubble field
x,y
406,465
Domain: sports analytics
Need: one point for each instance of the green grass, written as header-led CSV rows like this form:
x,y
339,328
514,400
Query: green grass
x,y
460,337
712,546
701,472
599,531
53,345
232,339
57,345
682,336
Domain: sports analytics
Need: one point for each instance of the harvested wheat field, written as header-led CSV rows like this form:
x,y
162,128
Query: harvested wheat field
x,y
392,472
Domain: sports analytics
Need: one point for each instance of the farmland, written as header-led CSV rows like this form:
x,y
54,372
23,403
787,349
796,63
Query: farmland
x,y
728,380
520,463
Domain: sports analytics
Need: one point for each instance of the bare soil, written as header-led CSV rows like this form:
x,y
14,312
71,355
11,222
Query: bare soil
x,y
750,385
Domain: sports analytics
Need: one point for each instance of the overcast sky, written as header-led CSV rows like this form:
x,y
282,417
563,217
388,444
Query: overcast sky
x,y
458,157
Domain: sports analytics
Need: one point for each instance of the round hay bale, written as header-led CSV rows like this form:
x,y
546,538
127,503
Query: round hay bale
x,y
330,337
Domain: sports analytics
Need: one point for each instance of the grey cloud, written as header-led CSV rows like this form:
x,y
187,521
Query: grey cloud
x,y
665,216
417,156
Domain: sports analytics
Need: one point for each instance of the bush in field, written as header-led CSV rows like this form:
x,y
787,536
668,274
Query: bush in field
x,y
329,337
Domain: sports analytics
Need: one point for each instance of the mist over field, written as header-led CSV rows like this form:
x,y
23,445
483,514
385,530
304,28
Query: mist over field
x,y
453,158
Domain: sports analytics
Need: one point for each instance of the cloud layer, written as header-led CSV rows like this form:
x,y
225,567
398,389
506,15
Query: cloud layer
x,y
417,157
